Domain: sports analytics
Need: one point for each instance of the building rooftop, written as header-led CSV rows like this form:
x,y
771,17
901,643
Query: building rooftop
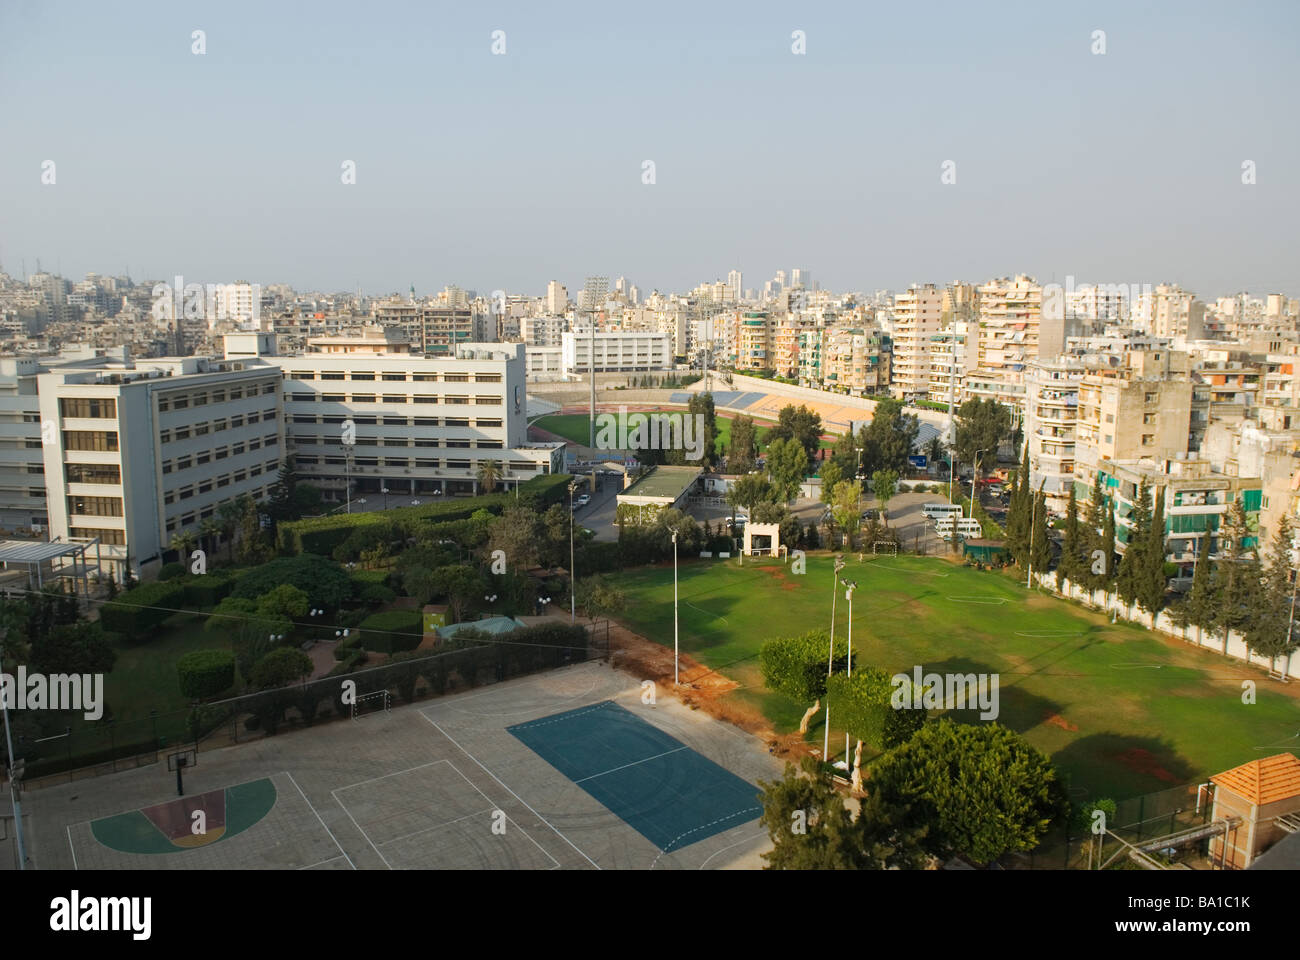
x,y
1263,781
666,482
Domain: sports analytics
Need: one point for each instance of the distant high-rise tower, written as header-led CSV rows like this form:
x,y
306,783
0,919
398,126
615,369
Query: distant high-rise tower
x,y
557,299
800,278
734,281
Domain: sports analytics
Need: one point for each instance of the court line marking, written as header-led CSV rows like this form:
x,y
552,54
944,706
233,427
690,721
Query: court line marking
x,y
634,763
322,821
72,848
705,612
319,863
436,826
704,826
361,783
348,813
582,694
512,793
757,836
533,724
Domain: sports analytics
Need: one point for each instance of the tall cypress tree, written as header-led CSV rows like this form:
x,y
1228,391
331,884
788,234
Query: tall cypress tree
x,y
1128,579
1237,574
1040,549
1270,633
1202,611
1108,548
1152,581
1018,514
1068,569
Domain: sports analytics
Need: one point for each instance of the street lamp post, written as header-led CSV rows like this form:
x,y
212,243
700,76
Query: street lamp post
x,y
676,664
830,655
385,492
573,580
347,474
849,587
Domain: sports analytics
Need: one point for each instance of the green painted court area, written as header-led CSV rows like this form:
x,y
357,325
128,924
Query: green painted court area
x,y
667,792
1120,710
173,826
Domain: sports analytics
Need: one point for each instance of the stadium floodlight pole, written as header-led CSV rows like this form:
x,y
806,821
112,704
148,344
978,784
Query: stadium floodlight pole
x,y
675,654
830,655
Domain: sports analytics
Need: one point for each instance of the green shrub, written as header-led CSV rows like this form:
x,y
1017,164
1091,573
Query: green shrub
x,y
280,667
208,590
139,611
206,673
347,646
376,595
324,581
170,571
393,631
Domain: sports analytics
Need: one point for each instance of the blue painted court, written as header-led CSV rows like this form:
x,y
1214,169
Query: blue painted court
x,y
660,787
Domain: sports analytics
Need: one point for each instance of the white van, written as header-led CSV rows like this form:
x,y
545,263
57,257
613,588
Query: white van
x,y
934,511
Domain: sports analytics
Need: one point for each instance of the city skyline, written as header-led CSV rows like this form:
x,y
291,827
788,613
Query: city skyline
x,y
505,170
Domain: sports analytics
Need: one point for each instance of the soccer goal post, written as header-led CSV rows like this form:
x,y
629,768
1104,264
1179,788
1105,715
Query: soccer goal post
x,y
368,703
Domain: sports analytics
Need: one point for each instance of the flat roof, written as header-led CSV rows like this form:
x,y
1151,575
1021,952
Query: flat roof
x,y
664,482
26,551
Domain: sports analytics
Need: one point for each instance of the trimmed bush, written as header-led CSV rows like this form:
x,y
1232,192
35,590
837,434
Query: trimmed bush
x,y
376,595
345,648
324,581
280,667
138,612
393,631
208,590
206,673
170,571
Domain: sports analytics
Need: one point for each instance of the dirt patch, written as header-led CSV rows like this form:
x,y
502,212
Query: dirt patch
x,y
1144,761
700,688
1056,720
789,586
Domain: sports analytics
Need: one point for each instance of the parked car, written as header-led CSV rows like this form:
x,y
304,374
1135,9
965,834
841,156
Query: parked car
x,y
584,500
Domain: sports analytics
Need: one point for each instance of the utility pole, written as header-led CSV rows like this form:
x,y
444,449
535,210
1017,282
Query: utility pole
x,y
830,655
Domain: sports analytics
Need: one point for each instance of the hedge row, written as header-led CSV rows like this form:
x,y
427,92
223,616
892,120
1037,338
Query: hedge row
x,y
392,631
322,534
136,613
206,673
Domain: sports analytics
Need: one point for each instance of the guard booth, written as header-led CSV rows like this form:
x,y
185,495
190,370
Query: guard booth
x,y
769,536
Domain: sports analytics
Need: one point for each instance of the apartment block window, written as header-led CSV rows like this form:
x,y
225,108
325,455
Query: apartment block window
x,y
367,461
1153,398
457,377
303,375
218,425
236,449
241,476
363,376
302,397
331,375
303,419
203,458
1148,439
205,486
426,398
457,422
487,378
255,471
394,398
105,535
186,492
394,376
457,400
370,420
201,430
223,480
218,396
331,398
221,453
171,524
272,466
236,422
200,399
103,440
268,388
1150,418
205,514
164,406
254,417
491,445
457,464
426,443
95,506
187,519
488,423
488,400
458,443
424,376
1110,438
34,444
164,436
169,497
426,421
398,422
184,463
363,398
180,403
236,393
254,445
91,407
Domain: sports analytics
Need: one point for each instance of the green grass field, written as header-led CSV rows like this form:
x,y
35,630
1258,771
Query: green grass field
x,y
576,427
1121,711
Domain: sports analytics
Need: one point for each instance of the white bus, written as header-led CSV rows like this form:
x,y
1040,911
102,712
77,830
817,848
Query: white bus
x,y
934,511
966,526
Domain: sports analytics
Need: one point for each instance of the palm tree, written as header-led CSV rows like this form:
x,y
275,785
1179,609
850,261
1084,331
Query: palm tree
x,y
228,517
184,543
209,531
489,472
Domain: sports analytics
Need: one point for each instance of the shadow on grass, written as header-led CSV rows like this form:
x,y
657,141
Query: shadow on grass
x,y
1119,766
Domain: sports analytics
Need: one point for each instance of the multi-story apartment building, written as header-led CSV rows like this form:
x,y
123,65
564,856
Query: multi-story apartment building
x,y
542,331
445,328
857,361
1197,499
953,356
1051,416
753,341
616,352
22,460
1010,321
423,426
557,299
142,451
1140,408
918,315
1169,311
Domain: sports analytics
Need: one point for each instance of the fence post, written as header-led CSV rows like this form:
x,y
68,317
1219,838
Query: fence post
x,y
112,743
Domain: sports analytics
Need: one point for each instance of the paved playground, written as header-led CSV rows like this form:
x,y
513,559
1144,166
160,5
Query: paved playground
x,y
577,768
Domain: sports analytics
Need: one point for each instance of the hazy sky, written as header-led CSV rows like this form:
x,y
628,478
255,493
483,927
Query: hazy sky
x,y
508,171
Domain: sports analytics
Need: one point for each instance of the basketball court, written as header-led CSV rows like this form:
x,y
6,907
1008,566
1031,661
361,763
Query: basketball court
x,y
578,768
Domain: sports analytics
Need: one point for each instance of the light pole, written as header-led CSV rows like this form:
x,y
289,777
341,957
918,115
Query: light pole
x,y
849,587
676,666
830,655
573,580
347,474
384,490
